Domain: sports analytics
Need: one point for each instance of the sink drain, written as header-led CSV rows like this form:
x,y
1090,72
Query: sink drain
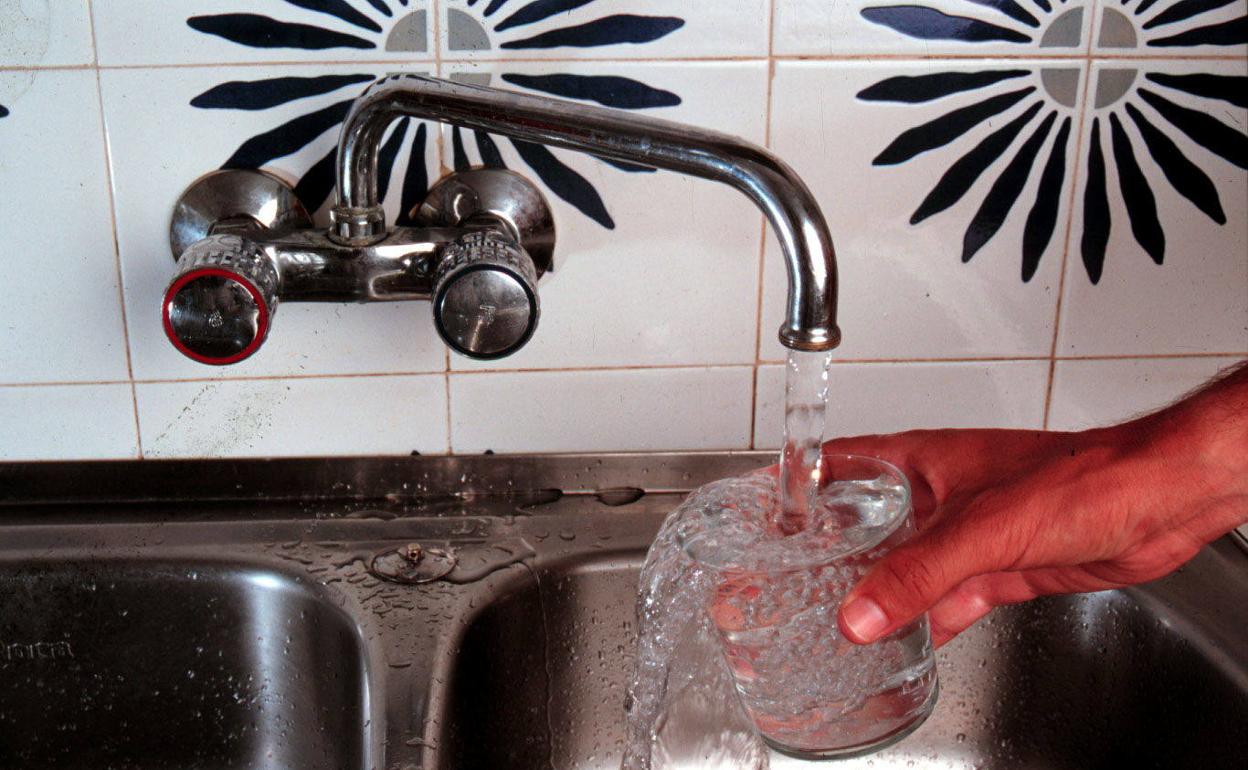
x,y
413,563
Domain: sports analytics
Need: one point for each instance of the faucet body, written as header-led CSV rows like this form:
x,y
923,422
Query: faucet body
x,y
485,236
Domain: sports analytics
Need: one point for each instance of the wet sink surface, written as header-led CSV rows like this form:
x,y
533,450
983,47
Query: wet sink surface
x,y
124,664
223,614
1136,678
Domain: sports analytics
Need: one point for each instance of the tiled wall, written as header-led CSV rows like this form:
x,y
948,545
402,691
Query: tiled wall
x,y
1039,208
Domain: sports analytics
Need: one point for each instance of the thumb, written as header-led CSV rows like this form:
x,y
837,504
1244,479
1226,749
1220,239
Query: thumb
x,y
907,581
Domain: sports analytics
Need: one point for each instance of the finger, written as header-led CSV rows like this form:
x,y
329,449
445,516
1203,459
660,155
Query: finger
x,y
975,597
957,611
914,576
896,449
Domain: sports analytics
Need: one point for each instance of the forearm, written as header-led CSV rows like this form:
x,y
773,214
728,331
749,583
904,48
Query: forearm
x,y
1202,441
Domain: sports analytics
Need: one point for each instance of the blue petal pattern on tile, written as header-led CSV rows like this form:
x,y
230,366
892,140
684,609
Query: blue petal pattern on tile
x,y
1042,221
263,94
1228,88
343,10
610,30
1004,192
925,88
4,111
1232,32
1113,96
258,31
931,24
607,90
1095,209
472,28
381,6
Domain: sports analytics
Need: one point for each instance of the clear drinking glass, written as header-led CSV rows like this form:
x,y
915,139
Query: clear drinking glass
x,y
811,692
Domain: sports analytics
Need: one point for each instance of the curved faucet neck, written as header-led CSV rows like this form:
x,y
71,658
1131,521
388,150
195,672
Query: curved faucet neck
x,y
810,322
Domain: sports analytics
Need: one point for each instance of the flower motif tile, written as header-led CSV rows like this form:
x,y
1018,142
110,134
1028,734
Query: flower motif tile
x,y
949,214
650,267
590,29
1157,261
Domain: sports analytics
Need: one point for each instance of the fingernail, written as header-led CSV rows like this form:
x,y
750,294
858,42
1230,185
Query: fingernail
x,y
863,619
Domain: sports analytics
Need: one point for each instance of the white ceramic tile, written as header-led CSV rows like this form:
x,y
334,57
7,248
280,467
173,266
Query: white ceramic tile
x,y
1169,28
1091,393
929,28
602,29
887,398
158,151
675,281
1197,300
303,416
598,411
67,422
61,317
904,289
44,33
238,31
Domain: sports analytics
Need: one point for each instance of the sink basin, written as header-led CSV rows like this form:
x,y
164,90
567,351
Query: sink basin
x,y
147,664
1151,677
228,614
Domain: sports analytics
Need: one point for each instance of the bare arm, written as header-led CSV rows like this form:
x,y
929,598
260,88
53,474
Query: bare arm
x,y
1008,515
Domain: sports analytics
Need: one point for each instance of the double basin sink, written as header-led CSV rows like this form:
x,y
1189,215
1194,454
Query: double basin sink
x,y
478,612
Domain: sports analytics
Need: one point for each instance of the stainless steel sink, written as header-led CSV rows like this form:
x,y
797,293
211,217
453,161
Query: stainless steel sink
x,y
131,663
1144,678
222,615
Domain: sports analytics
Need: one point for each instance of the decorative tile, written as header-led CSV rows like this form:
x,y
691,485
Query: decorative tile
x,y
1157,257
948,211
651,267
614,29
1173,28
932,27
67,422
61,317
596,411
44,33
284,119
1087,394
304,416
241,31
888,398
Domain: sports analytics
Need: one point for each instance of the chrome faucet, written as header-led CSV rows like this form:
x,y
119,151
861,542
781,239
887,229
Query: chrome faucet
x,y
244,242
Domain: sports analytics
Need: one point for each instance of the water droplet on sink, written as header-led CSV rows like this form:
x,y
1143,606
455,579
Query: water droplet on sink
x,y
567,535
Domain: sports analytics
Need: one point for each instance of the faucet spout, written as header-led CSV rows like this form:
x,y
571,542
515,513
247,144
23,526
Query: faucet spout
x,y
810,321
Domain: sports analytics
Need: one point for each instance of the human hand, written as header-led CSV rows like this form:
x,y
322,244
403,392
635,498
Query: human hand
x,y
1006,515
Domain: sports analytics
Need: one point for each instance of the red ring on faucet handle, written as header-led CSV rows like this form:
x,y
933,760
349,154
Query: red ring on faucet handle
x,y
262,328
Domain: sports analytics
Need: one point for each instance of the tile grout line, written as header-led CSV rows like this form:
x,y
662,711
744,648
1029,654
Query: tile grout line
x,y
630,368
1070,220
436,8
762,237
866,56
112,217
